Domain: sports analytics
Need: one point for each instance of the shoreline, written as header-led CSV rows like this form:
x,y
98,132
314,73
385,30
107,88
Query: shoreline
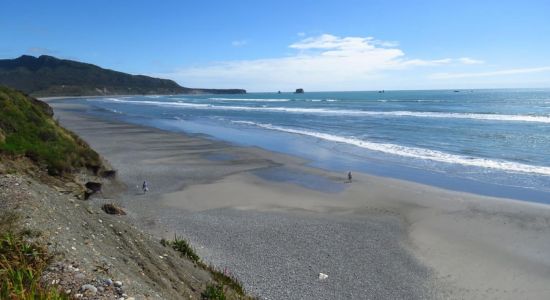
x,y
339,162
424,241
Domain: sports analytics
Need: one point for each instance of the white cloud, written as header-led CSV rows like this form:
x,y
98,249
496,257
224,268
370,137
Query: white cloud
x,y
239,43
489,74
427,63
470,61
320,63
385,43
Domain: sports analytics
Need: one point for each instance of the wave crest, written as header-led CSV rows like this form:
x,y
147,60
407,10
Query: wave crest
x,y
413,152
346,112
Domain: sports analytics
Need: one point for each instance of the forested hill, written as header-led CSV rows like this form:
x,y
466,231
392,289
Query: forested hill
x,y
46,76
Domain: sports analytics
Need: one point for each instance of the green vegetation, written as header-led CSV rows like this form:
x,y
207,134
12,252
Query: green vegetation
x,y
213,292
182,246
221,278
27,128
225,279
49,76
21,265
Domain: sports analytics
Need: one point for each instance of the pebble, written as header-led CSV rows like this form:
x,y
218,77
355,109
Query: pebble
x,y
118,283
108,282
79,276
72,269
89,287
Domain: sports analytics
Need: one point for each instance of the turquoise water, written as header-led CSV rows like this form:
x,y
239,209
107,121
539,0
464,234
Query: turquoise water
x,y
470,137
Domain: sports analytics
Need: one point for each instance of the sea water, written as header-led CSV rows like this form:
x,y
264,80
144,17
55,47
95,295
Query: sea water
x,y
494,142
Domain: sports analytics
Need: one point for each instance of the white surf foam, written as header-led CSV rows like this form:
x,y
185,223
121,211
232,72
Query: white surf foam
x,y
476,116
156,103
250,99
405,101
270,100
317,100
414,152
417,114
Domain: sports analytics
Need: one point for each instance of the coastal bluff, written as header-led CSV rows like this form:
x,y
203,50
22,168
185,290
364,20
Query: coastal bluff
x,y
48,76
59,201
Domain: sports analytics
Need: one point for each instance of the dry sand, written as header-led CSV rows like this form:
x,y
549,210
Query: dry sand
x,y
375,238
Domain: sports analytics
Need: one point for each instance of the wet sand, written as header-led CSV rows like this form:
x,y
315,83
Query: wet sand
x,y
276,223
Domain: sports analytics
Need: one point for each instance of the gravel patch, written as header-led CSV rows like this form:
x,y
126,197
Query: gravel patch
x,y
280,255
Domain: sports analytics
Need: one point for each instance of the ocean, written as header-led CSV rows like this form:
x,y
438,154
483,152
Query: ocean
x,y
491,142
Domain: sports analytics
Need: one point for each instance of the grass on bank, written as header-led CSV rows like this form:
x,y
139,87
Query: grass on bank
x,y
27,128
212,291
182,246
21,265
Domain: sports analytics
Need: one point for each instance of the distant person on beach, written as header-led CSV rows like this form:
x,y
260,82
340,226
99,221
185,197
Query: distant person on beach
x,y
349,177
144,187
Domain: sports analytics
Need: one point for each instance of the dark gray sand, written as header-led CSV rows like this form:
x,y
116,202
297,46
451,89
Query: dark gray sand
x,y
377,238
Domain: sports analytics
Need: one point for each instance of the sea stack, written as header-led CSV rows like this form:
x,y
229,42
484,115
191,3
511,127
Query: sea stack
x,y
299,91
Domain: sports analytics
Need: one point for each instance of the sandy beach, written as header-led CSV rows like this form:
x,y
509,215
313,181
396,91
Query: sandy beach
x,y
276,223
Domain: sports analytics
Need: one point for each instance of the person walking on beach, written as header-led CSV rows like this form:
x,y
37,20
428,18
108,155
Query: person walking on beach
x,y
349,177
144,187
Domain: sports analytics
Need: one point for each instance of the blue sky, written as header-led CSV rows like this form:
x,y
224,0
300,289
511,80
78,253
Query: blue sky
x,y
282,45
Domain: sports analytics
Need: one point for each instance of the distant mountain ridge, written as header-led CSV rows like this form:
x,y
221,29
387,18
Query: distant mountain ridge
x,y
47,76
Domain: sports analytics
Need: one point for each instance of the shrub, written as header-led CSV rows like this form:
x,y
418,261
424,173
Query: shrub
x,y
213,292
27,128
182,246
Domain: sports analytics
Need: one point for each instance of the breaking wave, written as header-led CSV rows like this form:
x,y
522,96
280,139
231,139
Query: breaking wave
x,y
413,152
250,99
347,112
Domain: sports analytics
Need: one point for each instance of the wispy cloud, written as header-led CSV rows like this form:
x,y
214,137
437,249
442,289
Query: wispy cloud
x,y
385,43
489,74
239,43
470,61
320,62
